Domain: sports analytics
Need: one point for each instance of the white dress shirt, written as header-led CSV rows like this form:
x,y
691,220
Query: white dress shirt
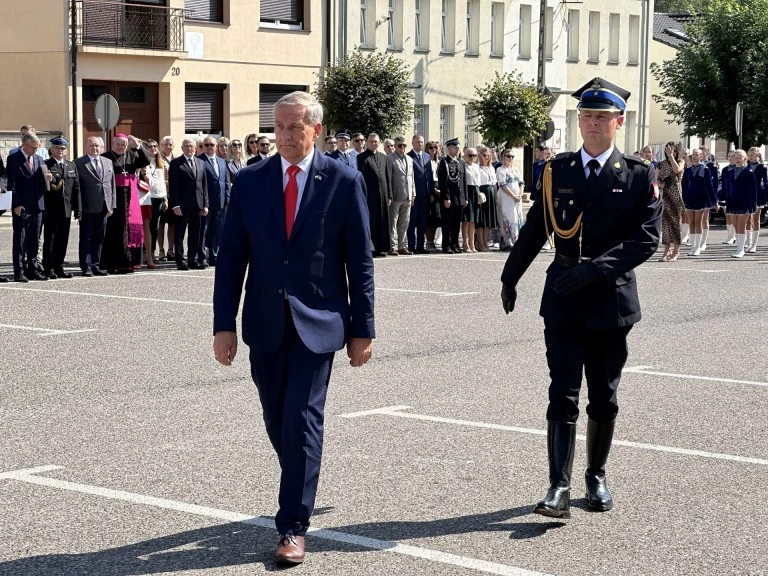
x,y
301,175
602,158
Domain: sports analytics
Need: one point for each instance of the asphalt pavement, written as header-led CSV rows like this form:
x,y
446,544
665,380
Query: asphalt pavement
x,y
126,449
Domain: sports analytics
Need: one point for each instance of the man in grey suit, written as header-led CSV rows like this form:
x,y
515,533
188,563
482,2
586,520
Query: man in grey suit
x,y
96,202
403,192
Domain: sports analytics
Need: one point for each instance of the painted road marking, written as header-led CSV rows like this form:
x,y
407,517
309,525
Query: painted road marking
x,y
117,296
427,292
645,370
397,412
46,331
29,476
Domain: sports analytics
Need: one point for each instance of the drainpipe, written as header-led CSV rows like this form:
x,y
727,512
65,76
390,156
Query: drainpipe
x,y
644,73
75,115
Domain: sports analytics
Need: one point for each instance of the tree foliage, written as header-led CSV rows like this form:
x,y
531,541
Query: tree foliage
x,y
509,110
366,92
671,6
724,63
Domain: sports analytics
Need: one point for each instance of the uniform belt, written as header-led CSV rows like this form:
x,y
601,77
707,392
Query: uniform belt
x,y
569,261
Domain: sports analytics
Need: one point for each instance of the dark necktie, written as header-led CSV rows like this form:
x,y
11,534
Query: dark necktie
x,y
593,166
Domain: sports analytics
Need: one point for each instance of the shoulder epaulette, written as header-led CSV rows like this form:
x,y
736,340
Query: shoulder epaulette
x,y
636,159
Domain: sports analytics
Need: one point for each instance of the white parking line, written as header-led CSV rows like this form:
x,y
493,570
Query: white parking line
x,y
427,292
117,296
397,412
644,370
46,331
29,476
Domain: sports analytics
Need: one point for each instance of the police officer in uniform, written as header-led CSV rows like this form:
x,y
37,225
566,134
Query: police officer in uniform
x,y
60,201
342,152
451,180
605,212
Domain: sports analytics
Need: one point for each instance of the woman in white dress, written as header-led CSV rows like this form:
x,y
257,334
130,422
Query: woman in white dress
x,y
472,173
510,197
485,214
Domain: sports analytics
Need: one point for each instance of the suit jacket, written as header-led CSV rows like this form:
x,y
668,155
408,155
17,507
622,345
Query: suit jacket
x,y
187,186
28,186
346,159
64,189
254,159
3,176
423,179
452,180
324,270
403,188
95,193
621,226
218,186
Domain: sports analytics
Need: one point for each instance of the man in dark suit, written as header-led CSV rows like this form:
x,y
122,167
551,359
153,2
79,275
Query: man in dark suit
x,y
377,174
3,190
217,183
262,144
342,150
451,180
605,211
97,201
298,223
188,197
28,180
60,200
425,188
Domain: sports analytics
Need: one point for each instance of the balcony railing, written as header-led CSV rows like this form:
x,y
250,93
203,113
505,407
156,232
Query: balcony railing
x,y
126,25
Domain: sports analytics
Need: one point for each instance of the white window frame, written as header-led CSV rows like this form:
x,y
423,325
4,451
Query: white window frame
x,y
469,39
633,54
593,52
448,27
364,23
497,29
469,133
548,32
391,34
417,24
418,119
446,122
524,39
573,35
614,26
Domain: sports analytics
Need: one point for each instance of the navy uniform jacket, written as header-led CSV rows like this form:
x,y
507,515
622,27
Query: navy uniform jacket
x,y
538,167
324,270
64,193
621,230
343,158
451,181
28,186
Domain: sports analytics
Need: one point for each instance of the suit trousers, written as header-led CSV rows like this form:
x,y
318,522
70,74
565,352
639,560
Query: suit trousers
x,y
601,354
292,382
92,228
26,239
399,216
191,219
215,220
56,239
417,225
450,221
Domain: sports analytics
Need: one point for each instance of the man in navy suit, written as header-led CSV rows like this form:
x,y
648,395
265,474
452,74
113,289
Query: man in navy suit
x,y
298,223
28,179
425,188
217,181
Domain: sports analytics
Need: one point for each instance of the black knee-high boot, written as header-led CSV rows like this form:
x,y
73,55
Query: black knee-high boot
x,y
561,441
599,438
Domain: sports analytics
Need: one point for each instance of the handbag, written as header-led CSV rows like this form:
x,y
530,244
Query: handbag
x,y
143,187
481,198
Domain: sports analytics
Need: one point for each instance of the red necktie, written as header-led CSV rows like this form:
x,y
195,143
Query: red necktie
x,y
31,163
291,197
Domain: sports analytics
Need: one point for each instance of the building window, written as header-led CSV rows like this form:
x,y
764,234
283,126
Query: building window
x,y
571,129
614,21
204,108
473,27
573,36
448,27
204,10
417,25
548,27
524,42
283,13
630,132
593,55
446,123
367,23
469,127
418,119
269,94
497,29
391,24
634,40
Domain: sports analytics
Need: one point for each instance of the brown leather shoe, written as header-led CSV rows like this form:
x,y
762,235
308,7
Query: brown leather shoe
x,y
405,252
290,549
392,252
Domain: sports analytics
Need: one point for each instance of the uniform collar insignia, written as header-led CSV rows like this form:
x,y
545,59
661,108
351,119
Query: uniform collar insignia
x,y
617,165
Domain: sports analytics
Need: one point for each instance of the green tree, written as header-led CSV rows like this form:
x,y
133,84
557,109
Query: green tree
x,y
509,110
723,63
671,6
366,92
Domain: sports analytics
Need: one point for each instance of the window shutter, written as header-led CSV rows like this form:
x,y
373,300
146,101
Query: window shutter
x,y
287,11
208,10
268,95
204,109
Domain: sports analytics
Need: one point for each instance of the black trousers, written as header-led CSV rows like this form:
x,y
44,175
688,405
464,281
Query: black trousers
x,y
451,224
154,221
26,239
292,383
189,219
92,227
600,354
55,240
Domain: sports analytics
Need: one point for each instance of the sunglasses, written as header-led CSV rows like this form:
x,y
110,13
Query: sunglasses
x,y
508,156
236,144
471,155
251,142
401,145
209,145
430,148
359,139
264,144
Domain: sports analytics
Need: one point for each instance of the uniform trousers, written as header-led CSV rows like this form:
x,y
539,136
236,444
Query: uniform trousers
x,y
417,225
600,354
292,382
189,219
92,228
451,224
399,217
26,239
56,239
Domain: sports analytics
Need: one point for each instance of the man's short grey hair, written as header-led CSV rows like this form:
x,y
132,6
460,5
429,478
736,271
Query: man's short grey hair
x,y
399,139
29,138
314,110
188,141
166,139
389,142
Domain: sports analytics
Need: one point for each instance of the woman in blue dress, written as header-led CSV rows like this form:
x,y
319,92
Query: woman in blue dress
x,y
740,186
698,197
755,164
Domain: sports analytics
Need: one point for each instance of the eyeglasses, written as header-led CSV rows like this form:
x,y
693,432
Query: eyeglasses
x,y
236,144
401,145
209,145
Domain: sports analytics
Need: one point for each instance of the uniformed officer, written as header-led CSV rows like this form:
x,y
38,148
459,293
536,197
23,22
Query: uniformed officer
x,y
452,183
342,151
60,201
605,212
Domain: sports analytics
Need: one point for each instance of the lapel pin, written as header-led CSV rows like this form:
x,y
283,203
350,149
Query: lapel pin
x,y
570,202
318,177
617,165
573,162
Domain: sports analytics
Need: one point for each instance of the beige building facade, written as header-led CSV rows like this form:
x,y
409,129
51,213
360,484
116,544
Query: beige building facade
x,y
176,67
